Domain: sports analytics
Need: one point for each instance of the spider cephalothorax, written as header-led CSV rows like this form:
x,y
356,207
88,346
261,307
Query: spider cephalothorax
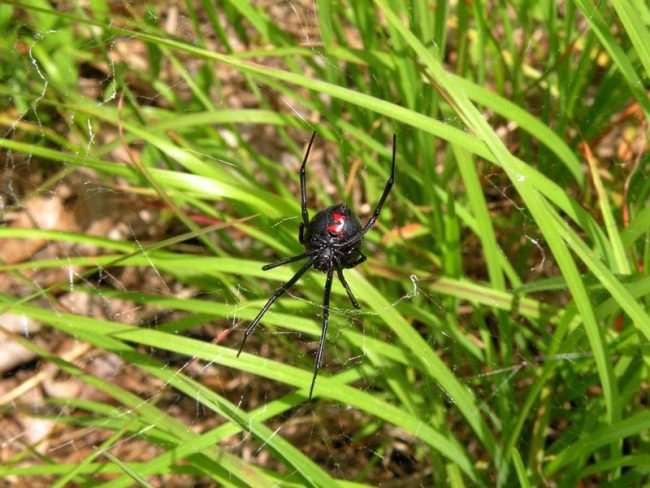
x,y
332,241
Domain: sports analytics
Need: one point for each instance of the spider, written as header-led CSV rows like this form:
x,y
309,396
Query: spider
x,y
332,241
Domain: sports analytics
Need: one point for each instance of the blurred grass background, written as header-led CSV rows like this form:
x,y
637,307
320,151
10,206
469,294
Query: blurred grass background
x,y
150,156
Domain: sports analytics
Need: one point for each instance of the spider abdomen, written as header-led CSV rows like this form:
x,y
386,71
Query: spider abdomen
x,y
329,227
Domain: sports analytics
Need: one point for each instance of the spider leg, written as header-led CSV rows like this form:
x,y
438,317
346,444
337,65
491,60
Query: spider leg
x,y
323,334
303,189
371,221
301,233
273,298
266,267
355,304
362,258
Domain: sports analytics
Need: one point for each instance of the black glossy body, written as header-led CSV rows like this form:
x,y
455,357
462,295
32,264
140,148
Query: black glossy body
x,y
327,230
332,241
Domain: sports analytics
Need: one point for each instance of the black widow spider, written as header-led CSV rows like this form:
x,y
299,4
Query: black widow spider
x,y
332,240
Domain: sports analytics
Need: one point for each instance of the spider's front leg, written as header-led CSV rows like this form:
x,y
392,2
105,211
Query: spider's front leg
x,y
303,186
301,233
375,215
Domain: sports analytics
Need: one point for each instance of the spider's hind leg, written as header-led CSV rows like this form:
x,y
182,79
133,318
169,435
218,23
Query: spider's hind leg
x,y
362,258
266,267
279,292
323,334
355,304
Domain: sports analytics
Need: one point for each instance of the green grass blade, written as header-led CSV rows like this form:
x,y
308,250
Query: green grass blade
x,y
626,301
127,469
620,264
637,227
534,202
485,229
636,28
251,363
619,57
606,435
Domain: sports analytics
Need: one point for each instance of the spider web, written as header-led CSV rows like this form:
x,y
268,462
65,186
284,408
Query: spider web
x,y
82,202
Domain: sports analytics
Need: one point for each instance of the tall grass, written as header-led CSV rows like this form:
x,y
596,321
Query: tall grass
x,y
505,320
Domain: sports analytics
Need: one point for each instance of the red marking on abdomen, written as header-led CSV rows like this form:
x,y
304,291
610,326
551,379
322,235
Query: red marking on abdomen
x,y
337,227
